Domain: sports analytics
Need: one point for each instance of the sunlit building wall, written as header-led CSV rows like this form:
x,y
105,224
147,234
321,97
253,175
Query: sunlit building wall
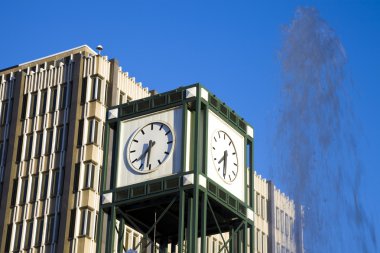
x,y
52,117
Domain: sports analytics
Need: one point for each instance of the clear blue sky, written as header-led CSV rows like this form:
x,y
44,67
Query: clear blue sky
x,y
231,47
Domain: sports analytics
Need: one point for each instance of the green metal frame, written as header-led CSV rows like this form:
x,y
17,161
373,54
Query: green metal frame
x,y
194,202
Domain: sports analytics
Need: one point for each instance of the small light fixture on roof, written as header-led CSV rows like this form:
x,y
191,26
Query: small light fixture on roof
x,y
99,48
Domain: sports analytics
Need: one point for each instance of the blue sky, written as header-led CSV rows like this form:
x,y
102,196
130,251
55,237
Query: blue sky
x,y
231,47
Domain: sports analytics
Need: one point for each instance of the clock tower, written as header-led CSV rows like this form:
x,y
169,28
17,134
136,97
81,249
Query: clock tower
x,y
178,166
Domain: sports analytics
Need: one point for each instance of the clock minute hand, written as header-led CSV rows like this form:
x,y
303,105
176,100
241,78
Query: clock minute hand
x,y
151,144
225,163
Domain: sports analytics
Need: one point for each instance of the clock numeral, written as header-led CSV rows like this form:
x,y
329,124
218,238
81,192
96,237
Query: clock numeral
x,y
141,165
169,142
161,126
132,151
166,152
159,161
150,166
213,148
233,172
168,132
230,177
219,169
235,164
215,139
135,140
233,153
219,134
151,126
142,131
224,136
230,143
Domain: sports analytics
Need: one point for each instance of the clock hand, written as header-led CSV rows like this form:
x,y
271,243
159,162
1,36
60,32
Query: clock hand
x,y
151,144
147,150
225,163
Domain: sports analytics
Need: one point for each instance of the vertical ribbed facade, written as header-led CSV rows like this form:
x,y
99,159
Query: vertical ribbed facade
x,y
51,133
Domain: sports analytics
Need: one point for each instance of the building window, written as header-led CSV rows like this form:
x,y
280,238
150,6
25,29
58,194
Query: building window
x,y
53,100
4,113
258,204
92,137
24,102
76,177
24,190
38,150
44,185
277,218
84,90
291,228
19,148
28,234
14,192
54,183
72,223
85,224
263,208
33,105
43,102
18,237
286,225
106,95
58,143
282,221
127,241
80,133
135,241
29,146
39,232
96,227
8,238
49,141
89,171
278,248
95,88
1,152
49,229
265,243
34,189
121,97
62,100
103,133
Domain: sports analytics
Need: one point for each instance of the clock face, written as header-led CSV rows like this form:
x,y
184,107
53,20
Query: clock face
x,y
150,147
224,156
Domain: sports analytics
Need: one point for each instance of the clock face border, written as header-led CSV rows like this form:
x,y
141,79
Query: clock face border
x,y
125,174
217,123
215,158
137,131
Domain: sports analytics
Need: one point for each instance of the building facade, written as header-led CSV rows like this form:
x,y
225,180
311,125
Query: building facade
x,y
282,212
51,131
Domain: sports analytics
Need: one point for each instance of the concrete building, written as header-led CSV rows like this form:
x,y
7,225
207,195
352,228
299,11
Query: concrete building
x,y
282,212
51,131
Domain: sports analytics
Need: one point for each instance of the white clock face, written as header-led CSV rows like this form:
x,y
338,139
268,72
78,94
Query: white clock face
x,y
224,156
150,147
